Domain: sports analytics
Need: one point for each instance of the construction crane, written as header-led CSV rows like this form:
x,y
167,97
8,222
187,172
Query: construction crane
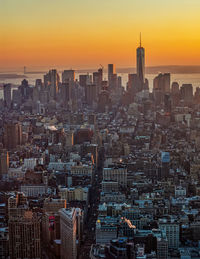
x,y
101,67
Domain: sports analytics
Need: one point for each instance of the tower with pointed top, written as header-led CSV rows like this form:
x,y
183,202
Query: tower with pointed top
x,y
141,62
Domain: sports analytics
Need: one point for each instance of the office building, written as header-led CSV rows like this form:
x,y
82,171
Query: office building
x,y
104,102
162,248
4,243
165,162
134,86
111,72
69,138
117,174
121,248
70,232
113,82
186,93
92,119
4,163
12,135
97,78
54,205
74,194
24,237
51,82
16,97
7,95
167,103
84,80
17,205
175,88
162,83
33,190
25,90
141,62
68,76
90,94
171,229
106,229
66,92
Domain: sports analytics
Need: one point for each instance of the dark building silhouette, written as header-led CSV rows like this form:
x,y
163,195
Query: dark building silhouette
x,y
111,71
7,95
51,82
141,62
97,79
12,135
90,94
186,93
68,76
83,135
84,80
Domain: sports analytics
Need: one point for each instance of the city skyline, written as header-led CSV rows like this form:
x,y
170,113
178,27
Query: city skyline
x,y
84,34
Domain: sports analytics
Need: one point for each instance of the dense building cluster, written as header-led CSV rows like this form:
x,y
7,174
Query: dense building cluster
x,y
92,169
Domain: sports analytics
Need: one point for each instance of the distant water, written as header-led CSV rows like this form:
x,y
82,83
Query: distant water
x,y
193,79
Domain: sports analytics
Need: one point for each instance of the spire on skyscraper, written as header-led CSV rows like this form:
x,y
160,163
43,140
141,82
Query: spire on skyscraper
x,y
141,61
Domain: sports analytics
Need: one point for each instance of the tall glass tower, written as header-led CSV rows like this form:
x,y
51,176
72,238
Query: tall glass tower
x,y
141,62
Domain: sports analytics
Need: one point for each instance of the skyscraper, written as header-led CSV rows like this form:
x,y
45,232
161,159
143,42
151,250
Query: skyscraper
x,y
7,95
90,94
141,62
68,76
186,92
24,237
70,221
97,79
4,163
51,80
111,72
12,135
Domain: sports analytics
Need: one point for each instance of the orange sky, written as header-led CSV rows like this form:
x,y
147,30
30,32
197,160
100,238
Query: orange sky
x,y
83,34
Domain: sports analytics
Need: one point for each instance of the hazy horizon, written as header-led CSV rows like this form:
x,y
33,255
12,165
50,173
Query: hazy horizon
x,y
175,69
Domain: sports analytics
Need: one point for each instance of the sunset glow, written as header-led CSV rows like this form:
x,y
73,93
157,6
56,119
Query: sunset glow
x,y
83,33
